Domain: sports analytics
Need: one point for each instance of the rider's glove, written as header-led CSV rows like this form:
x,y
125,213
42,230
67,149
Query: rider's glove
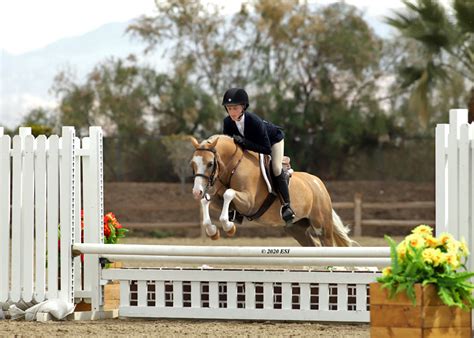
x,y
239,140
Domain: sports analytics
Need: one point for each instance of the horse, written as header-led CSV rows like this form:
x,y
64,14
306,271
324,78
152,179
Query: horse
x,y
224,173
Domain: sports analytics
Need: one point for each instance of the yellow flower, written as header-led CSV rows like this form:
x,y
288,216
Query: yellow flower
x,y
415,241
464,248
431,241
444,238
452,260
427,255
387,271
402,250
432,256
423,230
453,246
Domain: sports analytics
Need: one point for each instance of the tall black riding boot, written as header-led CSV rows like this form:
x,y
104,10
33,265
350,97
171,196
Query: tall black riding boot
x,y
286,212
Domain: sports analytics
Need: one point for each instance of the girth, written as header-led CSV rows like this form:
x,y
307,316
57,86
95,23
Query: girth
x,y
271,197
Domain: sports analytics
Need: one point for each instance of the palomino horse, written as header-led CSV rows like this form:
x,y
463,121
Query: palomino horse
x,y
224,173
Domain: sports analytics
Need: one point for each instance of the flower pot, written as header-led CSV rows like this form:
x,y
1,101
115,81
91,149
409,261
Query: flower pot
x,y
429,317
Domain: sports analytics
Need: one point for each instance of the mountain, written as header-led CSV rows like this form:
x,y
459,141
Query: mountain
x,y
25,79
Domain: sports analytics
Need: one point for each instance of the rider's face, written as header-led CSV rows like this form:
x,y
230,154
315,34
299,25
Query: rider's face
x,y
235,111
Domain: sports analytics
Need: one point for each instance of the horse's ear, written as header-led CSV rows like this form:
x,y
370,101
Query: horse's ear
x,y
194,142
214,143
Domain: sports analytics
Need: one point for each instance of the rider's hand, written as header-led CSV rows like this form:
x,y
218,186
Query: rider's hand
x,y
239,140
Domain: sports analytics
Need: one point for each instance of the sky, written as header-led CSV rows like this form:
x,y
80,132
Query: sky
x,y
26,25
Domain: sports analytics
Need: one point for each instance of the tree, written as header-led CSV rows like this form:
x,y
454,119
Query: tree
x,y
319,76
440,40
312,70
201,41
180,151
40,120
76,102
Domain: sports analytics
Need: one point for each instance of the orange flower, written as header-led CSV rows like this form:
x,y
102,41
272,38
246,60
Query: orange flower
x,y
106,230
110,217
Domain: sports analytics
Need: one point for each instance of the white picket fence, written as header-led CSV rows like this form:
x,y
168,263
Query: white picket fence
x,y
455,178
248,294
44,184
51,180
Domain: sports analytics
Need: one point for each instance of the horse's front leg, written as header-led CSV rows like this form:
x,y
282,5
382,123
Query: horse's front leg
x,y
227,225
211,229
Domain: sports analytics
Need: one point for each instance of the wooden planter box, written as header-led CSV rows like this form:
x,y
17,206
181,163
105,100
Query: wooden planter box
x,y
398,317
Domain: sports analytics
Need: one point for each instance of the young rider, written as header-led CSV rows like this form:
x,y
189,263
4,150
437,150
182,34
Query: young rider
x,y
253,133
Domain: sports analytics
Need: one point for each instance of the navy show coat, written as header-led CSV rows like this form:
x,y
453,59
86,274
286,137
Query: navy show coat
x,y
260,134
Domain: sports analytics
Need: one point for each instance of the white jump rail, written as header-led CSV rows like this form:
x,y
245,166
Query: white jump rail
x,y
227,255
229,251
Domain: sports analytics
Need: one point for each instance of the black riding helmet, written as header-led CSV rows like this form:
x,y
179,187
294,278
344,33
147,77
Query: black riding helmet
x,y
236,96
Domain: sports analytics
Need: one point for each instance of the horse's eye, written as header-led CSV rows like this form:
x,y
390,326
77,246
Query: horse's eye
x,y
209,165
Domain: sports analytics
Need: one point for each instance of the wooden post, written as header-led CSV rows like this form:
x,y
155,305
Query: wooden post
x,y
357,214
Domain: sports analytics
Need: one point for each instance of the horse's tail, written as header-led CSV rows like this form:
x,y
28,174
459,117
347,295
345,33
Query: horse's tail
x,y
341,231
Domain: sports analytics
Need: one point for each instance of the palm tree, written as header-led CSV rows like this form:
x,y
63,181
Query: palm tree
x,y
464,10
440,38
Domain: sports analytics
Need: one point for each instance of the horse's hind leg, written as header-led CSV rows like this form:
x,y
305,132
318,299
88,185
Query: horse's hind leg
x,y
314,237
298,232
321,232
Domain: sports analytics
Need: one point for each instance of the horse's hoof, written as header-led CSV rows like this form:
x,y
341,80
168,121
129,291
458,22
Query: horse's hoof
x,y
216,236
232,231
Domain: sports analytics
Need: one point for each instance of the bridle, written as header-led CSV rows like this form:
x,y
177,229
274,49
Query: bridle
x,y
211,179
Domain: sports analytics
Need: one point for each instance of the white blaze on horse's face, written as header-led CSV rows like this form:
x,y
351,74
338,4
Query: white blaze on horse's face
x,y
203,163
199,182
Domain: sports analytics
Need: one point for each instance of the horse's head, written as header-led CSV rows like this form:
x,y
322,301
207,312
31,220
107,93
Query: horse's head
x,y
204,164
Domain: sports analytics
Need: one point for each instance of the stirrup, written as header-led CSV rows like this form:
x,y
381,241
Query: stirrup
x,y
287,214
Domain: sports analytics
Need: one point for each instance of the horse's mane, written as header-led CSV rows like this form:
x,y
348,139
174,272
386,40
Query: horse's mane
x,y
213,137
223,139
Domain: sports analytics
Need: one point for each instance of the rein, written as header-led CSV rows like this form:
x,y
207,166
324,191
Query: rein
x,y
211,180
232,172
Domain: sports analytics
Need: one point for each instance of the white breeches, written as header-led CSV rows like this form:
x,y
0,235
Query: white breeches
x,y
277,157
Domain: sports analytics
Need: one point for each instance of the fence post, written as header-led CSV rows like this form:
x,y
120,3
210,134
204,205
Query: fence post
x,y
357,214
67,216
93,195
5,177
442,131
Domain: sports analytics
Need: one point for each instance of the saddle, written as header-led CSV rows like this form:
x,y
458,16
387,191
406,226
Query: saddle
x,y
267,173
